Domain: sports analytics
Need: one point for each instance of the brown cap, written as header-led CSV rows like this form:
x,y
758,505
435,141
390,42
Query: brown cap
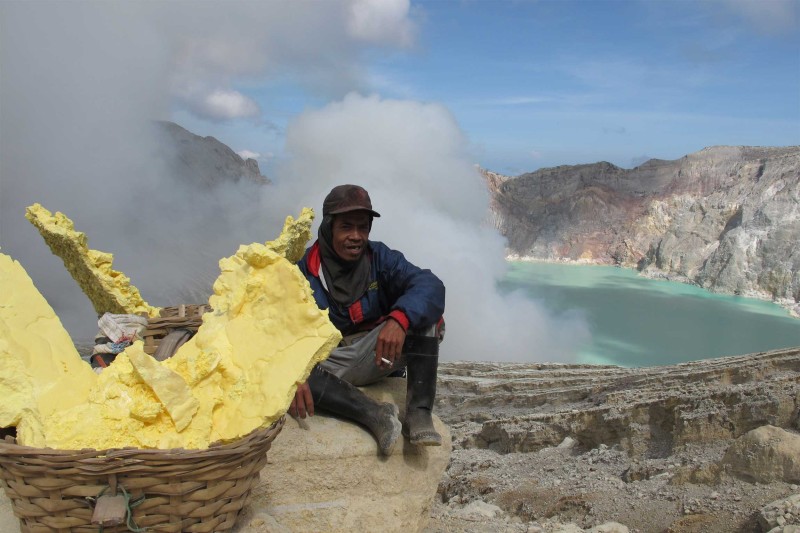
x,y
346,198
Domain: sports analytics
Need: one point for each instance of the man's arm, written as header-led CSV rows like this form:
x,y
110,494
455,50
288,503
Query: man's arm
x,y
418,294
390,343
303,402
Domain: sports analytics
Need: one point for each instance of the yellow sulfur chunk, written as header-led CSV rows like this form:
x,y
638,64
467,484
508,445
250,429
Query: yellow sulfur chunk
x,y
296,233
268,333
122,410
109,290
264,336
170,388
40,370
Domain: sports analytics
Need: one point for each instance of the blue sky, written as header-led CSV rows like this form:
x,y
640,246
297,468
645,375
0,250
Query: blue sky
x,y
543,83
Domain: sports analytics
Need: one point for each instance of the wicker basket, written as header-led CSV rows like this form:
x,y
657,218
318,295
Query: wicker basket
x,y
164,490
171,318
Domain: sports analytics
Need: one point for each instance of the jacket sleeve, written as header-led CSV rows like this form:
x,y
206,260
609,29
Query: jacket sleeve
x,y
316,287
303,264
416,292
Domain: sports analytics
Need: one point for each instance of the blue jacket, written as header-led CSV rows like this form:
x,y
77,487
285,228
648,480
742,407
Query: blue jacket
x,y
398,289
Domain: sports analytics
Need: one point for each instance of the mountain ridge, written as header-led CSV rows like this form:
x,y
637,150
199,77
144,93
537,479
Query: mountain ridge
x,y
204,161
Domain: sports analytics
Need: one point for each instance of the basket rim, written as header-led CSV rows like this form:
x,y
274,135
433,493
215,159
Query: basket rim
x,y
267,434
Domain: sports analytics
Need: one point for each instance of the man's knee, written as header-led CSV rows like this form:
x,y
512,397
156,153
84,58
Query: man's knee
x,y
425,340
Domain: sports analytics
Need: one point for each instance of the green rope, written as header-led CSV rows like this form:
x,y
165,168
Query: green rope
x,y
131,504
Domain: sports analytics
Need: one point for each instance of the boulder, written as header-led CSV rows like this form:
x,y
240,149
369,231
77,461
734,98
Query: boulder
x,y
326,474
478,510
764,455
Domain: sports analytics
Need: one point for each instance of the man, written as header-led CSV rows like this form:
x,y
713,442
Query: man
x,y
389,313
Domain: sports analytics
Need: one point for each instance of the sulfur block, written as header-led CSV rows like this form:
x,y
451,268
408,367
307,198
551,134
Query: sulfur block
x,y
40,370
170,388
296,233
109,290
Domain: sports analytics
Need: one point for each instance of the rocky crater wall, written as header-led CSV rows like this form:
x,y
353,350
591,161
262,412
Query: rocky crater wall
x,y
724,218
644,411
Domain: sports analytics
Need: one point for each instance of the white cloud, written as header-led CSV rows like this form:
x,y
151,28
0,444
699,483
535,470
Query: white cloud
x,y
225,105
381,22
215,46
218,45
247,154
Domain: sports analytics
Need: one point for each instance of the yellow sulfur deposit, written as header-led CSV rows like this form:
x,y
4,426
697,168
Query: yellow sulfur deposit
x,y
170,388
296,233
40,370
109,290
238,373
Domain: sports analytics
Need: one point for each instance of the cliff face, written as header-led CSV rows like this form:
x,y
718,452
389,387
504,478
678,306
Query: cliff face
x,y
203,161
725,218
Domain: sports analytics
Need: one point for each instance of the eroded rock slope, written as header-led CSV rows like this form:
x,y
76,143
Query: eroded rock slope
x,y
707,446
646,411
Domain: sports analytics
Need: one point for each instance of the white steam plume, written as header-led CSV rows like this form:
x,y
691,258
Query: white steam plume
x,y
433,204
82,82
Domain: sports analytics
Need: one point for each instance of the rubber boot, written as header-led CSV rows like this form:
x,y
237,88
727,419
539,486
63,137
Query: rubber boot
x,y
422,362
341,398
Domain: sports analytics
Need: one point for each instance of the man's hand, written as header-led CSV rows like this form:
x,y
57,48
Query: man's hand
x,y
303,402
390,342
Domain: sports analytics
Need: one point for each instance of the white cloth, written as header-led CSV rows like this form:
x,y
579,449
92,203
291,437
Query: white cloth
x,y
121,330
121,327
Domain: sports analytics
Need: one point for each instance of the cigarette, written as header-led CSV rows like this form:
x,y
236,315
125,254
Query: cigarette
x,y
386,361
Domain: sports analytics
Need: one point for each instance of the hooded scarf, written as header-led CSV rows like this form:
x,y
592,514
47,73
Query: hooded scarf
x,y
346,281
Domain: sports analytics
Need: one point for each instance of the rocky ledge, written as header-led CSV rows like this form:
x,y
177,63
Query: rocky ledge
x,y
707,446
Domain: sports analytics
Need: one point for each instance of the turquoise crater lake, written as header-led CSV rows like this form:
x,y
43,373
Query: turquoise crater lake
x,y
636,321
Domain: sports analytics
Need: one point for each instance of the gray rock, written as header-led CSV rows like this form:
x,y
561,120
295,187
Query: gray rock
x,y
566,528
325,474
764,455
478,510
784,512
609,527
203,161
785,529
567,443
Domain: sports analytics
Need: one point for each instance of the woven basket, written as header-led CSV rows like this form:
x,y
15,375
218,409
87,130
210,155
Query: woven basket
x,y
171,318
177,490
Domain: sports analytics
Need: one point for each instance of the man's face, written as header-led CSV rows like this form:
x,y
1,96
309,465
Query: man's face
x,y
350,234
